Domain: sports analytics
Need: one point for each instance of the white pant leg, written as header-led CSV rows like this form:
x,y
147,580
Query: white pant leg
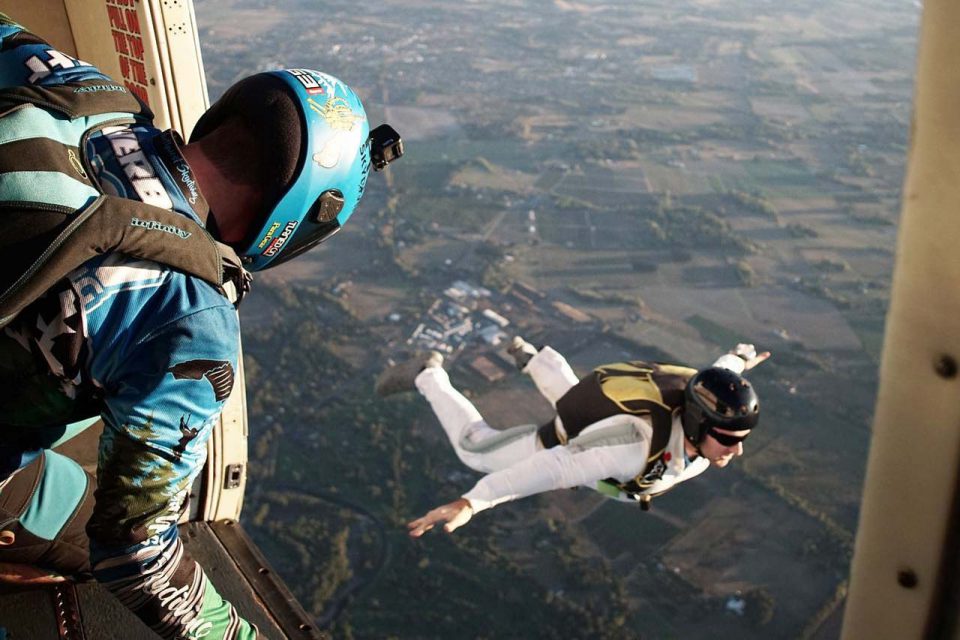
x,y
551,373
476,443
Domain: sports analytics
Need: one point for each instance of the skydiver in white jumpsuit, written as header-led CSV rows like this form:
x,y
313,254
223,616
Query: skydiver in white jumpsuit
x,y
602,435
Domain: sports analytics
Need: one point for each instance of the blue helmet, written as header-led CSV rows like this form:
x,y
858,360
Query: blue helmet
x,y
317,145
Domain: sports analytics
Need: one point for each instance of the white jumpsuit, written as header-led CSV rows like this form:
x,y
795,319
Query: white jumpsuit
x,y
518,466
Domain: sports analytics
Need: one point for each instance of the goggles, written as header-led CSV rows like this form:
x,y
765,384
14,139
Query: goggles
x,y
725,439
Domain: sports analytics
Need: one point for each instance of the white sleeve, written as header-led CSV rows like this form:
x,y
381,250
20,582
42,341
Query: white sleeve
x,y
731,362
561,468
551,373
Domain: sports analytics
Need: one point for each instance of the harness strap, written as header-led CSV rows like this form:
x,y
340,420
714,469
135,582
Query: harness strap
x,y
133,228
637,487
547,434
77,99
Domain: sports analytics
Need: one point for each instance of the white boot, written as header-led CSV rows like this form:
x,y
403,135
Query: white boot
x,y
399,377
522,351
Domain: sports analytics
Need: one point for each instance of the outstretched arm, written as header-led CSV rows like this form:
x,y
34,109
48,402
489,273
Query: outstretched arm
x,y
618,451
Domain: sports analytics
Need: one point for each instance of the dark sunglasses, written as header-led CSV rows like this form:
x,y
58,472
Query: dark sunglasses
x,y
726,439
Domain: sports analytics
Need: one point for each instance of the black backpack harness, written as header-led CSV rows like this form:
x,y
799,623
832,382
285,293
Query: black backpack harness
x,y
652,390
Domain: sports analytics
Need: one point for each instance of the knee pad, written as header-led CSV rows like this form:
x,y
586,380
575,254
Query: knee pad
x,y
44,508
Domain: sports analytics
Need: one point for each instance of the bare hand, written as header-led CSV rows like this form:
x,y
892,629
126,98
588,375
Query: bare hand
x,y
754,361
749,354
455,515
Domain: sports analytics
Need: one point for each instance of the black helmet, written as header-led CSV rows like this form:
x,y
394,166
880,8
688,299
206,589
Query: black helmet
x,y
718,397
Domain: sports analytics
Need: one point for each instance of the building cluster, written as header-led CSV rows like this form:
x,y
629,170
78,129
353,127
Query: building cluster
x,y
462,314
466,315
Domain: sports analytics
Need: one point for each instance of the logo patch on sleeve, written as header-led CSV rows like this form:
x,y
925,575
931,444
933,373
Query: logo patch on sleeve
x,y
218,373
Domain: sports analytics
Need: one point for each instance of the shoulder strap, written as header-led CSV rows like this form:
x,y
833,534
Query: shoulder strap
x,y
112,224
77,99
658,445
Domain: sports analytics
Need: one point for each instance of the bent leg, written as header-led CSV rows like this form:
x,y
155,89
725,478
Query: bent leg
x,y
44,507
476,443
551,373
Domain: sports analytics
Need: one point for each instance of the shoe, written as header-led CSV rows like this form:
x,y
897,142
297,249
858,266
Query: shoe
x,y
400,377
522,351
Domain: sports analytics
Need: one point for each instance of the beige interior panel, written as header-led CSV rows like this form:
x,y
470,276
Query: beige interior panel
x,y
226,469
46,16
902,545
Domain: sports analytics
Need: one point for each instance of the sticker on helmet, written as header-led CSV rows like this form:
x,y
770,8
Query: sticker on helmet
x,y
267,238
345,140
306,78
281,240
337,114
364,169
329,156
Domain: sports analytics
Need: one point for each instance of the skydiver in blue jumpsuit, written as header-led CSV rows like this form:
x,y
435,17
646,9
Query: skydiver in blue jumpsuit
x,y
276,166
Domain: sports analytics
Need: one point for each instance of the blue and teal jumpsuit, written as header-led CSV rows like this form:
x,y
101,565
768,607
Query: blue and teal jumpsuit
x,y
147,349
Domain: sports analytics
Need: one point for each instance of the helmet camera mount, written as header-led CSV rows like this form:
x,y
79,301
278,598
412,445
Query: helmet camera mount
x,y
385,146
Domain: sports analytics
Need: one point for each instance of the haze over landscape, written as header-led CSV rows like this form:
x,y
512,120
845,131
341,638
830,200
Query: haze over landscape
x,y
620,180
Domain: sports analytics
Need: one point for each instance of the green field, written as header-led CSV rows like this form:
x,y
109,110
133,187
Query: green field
x,y
751,199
